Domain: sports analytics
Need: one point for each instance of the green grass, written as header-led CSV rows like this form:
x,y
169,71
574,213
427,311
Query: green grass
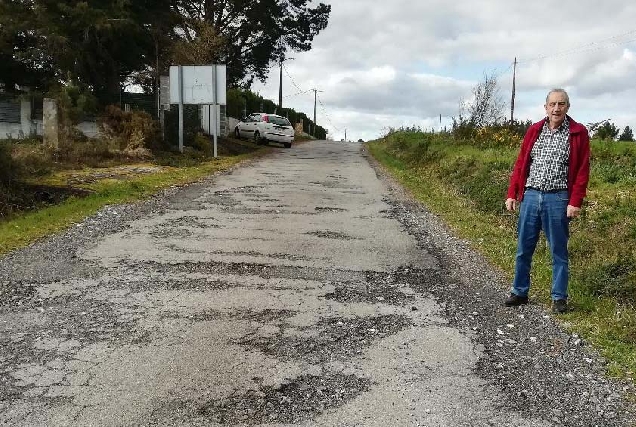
x,y
21,230
465,185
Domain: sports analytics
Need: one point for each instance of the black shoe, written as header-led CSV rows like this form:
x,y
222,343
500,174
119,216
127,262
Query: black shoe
x,y
514,300
560,306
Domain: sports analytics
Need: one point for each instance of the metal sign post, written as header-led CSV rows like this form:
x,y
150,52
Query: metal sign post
x,y
214,99
198,85
180,108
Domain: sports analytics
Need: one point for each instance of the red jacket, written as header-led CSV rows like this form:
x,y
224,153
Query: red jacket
x,y
578,169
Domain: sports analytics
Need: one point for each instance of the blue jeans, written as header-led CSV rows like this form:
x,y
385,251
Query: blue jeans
x,y
548,212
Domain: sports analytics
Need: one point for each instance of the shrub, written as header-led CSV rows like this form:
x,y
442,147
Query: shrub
x,y
32,160
202,143
130,130
496,136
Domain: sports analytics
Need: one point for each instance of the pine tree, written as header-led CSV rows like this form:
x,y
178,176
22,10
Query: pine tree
x,y
627,134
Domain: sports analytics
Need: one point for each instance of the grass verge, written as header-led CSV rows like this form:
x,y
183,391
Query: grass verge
x,y
465,186
21,230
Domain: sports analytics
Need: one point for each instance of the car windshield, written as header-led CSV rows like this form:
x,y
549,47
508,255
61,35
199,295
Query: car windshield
x,y
279,121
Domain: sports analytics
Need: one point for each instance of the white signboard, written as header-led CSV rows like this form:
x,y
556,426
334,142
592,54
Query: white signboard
x,y
198,84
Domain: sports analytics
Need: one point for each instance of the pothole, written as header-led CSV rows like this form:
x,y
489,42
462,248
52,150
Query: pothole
x,y
330,339
332,235
289,403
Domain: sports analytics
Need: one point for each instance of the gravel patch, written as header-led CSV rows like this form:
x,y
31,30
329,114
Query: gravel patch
x,y
288,403
331,339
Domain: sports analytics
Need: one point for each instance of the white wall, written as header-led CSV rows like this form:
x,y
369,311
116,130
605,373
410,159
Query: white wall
x,y
231,124
11,130
14,130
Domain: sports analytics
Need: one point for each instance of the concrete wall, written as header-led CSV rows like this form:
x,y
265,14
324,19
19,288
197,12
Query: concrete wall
x,y
29,126
11,130
90,129
231,124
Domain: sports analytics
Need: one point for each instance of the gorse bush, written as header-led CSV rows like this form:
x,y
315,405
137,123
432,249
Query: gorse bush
x,y
130,130
614,162
500,135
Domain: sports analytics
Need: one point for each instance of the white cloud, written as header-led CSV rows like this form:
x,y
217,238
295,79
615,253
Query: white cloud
x,y
381,64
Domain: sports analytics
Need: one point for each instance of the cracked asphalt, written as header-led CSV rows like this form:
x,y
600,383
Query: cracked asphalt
x,y
304,288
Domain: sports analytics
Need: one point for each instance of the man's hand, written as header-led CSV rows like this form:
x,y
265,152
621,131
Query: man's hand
x,y
511,205
573,211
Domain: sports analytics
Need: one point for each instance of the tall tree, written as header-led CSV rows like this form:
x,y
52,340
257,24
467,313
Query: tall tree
x,y
255,33
98,44
486,107
103,44
23,62
627,135
607,131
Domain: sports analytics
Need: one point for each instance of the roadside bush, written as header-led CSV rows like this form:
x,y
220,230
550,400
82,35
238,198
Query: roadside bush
x,y
463,130
421,152
500,135
202,143
130,130
496,136
32,160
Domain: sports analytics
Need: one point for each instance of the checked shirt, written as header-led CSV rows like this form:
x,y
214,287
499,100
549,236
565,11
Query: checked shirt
x,y
549,159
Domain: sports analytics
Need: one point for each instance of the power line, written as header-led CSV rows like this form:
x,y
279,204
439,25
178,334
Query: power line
x,y
588,47
292,80
497,75
324,111
301,91
297,93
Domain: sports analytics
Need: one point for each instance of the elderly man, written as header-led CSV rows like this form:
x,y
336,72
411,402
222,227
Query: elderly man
x,y
548,182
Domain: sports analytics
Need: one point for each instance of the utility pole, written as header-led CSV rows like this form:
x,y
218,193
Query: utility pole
x,y
280,88
512,102
315,97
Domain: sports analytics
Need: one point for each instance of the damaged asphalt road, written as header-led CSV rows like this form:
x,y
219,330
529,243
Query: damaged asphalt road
x,y
304,288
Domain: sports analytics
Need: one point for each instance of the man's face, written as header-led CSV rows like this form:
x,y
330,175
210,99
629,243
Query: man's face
x,y
556,108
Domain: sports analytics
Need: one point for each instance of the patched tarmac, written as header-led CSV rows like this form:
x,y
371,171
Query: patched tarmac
x,y
294,290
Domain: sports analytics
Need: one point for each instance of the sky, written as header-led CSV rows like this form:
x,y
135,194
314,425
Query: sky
x,y
385,64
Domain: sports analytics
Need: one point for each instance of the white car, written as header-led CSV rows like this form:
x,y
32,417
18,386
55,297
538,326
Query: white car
x,y
263,127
